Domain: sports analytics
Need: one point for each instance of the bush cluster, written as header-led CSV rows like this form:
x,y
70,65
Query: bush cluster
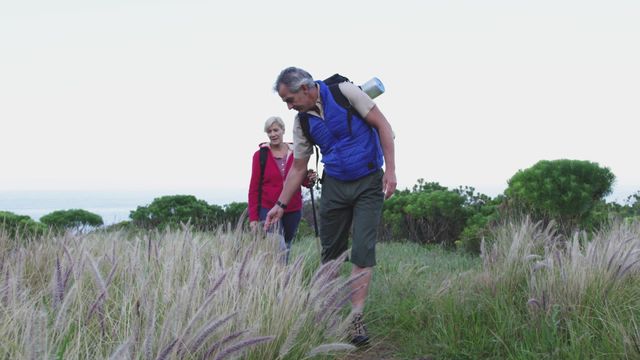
x,y
567,193
19,226
166,211
432,214
173,210
71,219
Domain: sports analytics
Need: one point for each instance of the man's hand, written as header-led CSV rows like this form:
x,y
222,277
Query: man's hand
x,y
389,183
253,225
312,177
273,216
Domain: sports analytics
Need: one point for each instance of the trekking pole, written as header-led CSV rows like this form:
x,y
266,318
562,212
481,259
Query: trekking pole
x,y
315,219
313,208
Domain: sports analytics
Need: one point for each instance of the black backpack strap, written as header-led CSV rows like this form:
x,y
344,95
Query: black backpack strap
x,y
304,124
339,97
264,152
335,79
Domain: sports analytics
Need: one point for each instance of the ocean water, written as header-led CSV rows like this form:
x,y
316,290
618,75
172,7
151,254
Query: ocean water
x,y
113,206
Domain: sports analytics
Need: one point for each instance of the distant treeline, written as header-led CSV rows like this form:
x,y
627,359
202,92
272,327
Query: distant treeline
x,y
170,210
570,194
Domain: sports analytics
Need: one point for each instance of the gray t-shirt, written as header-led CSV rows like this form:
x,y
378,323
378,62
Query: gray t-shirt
x,y
360,101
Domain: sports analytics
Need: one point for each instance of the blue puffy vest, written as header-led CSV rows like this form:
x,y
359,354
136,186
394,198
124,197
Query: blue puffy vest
x,y
347,154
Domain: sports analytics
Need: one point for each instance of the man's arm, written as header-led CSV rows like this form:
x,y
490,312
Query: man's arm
x,y
376,119
296,176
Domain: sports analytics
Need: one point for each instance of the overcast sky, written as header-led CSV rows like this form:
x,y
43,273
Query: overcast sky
x,y
137,94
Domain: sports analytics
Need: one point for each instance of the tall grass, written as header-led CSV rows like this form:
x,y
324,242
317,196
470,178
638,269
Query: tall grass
x,y
573,298
167,295
531,295
407,283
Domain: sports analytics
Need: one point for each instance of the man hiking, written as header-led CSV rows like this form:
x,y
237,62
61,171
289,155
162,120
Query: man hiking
x,y
354,147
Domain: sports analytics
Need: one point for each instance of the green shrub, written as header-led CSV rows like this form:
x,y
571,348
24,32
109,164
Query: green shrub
x,y
305,229
125,225
437,216
172,210
234,212
15,225
394,220
565,191
485,215
71,219
430,213
629,210
475,230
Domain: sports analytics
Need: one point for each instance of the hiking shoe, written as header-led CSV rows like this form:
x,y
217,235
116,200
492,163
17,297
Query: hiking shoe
x,y
359,336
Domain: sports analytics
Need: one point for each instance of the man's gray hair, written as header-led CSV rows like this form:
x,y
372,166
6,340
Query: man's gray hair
x,y
293,78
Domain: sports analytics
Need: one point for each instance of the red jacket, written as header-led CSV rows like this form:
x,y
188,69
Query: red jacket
x,y
272,184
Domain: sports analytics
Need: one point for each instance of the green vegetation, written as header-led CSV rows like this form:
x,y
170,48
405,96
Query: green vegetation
x,y
630,210
428,214
173,210
565,191
183,276
233,213
569,193
19,226
71,219
433,214
530,295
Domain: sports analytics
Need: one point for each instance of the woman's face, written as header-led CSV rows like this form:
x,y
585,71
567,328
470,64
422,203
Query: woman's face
x,y
275,132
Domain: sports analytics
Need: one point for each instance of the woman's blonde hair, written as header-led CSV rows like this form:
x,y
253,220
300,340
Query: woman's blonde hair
x,y
273,120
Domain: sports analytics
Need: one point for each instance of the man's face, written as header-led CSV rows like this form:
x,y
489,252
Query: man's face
x,y
300,101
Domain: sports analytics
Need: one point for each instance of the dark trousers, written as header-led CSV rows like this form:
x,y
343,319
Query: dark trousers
x,y
351,206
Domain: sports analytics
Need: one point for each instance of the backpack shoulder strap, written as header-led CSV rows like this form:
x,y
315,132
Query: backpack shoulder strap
x,y
342,100
339,96
333,83
335,79
264,152
304,124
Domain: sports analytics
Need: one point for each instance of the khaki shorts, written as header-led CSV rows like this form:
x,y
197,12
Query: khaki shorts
x,y
354,206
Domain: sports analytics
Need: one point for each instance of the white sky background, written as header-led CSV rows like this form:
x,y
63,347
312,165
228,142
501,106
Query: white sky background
x,y
139,95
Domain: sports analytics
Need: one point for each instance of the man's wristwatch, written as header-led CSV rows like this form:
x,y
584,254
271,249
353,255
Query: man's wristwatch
x,y
279,203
